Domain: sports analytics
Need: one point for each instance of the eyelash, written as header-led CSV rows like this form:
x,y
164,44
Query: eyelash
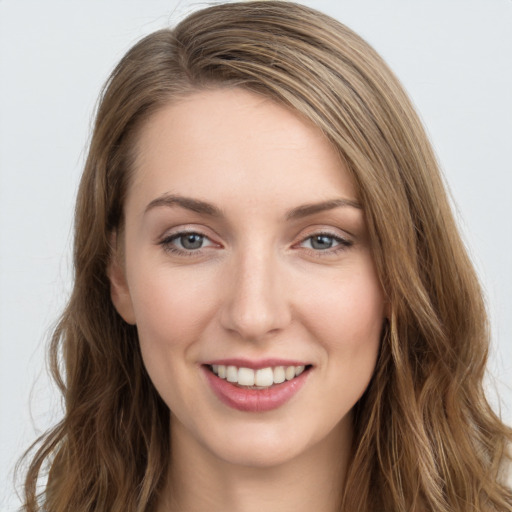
x,y
168,244
342,244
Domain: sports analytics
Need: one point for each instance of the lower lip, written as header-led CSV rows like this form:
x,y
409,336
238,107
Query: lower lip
x,y
255,400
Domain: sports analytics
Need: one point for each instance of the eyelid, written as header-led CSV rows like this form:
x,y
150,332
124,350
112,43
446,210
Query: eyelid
x,y
166,240
339,240
178,236
319,229
184,229
344,242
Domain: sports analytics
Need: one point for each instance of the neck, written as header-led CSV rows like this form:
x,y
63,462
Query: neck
x,y
199,481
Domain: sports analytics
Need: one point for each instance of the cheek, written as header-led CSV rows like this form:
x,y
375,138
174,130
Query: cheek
x,y
170,306
349,311
347,320
172,313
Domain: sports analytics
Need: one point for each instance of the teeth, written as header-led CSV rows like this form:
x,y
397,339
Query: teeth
x,y
232,374
246,377
262,378
279,375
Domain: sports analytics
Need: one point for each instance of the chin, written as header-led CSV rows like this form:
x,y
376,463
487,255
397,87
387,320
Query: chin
x,y
260,454
263,445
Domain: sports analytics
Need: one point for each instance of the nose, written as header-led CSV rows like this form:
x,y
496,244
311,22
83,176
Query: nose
x,y
256,303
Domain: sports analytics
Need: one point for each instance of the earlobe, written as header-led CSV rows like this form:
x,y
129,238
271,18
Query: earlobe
x,y
119,291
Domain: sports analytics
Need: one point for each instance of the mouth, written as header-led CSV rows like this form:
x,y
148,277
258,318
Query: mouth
x,y
257,379
267,387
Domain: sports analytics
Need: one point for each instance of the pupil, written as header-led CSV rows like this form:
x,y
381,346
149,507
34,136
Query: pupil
x,y
321,242
192,241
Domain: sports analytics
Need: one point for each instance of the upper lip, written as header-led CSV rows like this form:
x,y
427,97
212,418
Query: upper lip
x,y
256,364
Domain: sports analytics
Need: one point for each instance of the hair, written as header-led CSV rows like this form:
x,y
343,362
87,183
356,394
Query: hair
x,y
426,438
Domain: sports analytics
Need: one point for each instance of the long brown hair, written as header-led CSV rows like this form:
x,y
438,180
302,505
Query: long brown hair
x,y
425,436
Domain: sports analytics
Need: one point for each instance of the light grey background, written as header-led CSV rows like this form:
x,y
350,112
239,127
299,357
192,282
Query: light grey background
x,y
453,56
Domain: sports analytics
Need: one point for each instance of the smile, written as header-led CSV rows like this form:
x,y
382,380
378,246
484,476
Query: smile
x,y
258,389
262,378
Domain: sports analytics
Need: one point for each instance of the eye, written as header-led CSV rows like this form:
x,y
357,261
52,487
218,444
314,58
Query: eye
x,y
186,242
190,241
324,242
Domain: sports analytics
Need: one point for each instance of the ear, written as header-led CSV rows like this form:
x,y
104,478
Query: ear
x,y
119,291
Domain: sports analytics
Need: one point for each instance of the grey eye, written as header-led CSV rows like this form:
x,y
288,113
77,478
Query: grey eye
x,y
325,242
191,241
322,242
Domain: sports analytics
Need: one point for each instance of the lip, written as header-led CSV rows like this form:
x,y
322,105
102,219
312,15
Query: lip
x,y
256,364
254,400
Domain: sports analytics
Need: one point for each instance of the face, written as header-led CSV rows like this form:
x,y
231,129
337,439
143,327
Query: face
x,y
247,270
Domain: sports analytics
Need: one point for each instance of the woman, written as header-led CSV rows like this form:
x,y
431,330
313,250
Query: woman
x,y
272,305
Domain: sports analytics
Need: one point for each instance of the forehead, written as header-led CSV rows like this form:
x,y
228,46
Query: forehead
x,y
218,143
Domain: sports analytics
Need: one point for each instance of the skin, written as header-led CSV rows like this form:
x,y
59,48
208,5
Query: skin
x,y
259,286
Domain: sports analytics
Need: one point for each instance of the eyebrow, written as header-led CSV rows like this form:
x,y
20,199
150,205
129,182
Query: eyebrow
x,y
205,208
310,209
195,205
